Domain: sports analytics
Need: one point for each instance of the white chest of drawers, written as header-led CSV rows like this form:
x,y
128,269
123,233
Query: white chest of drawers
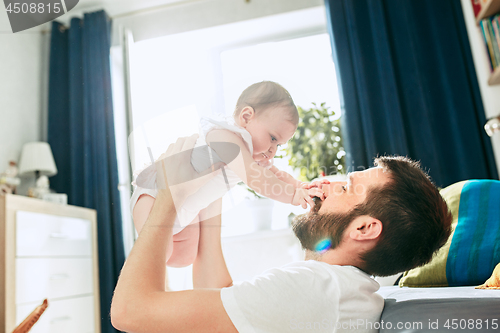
x,y
48,251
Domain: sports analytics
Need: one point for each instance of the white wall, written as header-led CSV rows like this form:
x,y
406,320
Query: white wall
x,y
490,94
23,97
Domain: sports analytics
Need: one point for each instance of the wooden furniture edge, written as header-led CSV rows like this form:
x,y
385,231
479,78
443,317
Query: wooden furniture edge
x,y
3,264
9,205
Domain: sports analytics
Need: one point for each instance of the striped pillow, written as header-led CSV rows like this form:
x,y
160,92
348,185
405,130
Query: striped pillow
x,y
473,250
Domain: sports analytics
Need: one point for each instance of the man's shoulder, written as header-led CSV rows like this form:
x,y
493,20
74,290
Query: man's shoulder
x,y
316,270
317,273
311,277
315,266
300,274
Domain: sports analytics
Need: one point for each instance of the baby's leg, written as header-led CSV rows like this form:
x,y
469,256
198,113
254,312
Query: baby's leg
x,y
185,247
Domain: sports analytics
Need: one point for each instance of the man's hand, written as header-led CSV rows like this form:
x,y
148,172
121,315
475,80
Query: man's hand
x,y
175,172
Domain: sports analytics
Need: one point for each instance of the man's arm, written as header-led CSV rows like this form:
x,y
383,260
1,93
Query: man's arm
x,y
140,214
209,268
140,302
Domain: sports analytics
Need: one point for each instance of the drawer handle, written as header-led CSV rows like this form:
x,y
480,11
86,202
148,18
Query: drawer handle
x,y
59,277
55,320
58,235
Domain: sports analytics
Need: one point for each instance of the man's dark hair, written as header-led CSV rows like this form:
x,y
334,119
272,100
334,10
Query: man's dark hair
x,y
416,220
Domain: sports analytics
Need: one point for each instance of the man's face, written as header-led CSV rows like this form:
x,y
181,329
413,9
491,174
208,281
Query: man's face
x,y
343,196
329,218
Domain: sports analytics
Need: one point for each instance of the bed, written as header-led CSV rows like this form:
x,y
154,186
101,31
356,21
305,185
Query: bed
x,y
444,309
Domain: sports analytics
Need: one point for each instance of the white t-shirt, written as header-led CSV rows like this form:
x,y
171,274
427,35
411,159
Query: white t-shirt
x,y
306,296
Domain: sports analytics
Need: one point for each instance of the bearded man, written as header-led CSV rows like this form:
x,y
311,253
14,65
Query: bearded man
x,y
381,221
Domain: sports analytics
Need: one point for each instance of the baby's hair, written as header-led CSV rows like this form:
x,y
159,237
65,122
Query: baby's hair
x,y
264,95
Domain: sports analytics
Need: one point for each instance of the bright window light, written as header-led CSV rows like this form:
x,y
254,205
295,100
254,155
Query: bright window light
x,y
177,79
303,66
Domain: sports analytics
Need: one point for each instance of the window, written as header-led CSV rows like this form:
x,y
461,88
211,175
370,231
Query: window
x,y
302,65
177,79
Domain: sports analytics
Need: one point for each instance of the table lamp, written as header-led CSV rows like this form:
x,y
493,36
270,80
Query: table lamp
x,y
36,159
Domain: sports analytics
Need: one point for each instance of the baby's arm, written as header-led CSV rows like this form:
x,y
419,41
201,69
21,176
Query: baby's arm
x,y
286,177
261,180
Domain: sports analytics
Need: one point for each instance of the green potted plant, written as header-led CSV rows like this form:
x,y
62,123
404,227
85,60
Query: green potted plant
x,y
316,148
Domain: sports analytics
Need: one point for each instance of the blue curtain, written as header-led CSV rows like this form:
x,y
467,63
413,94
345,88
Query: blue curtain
x,y
81,134
409,87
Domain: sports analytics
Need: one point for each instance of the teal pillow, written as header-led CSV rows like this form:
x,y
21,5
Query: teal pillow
x,y
473,249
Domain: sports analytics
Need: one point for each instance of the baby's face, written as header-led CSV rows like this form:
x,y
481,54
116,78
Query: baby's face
x,y
269,131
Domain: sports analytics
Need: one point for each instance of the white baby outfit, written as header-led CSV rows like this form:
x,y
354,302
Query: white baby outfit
x,y
208,193
306,296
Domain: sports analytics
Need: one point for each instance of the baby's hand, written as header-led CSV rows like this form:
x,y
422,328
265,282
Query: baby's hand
x,y
316,183
303,197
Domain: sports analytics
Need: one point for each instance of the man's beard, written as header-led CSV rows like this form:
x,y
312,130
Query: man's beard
x,y
313,228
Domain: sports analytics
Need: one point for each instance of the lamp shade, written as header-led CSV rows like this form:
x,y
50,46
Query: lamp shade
x,y
37,156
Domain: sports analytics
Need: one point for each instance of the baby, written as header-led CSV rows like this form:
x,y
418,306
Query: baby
x,y
265,118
